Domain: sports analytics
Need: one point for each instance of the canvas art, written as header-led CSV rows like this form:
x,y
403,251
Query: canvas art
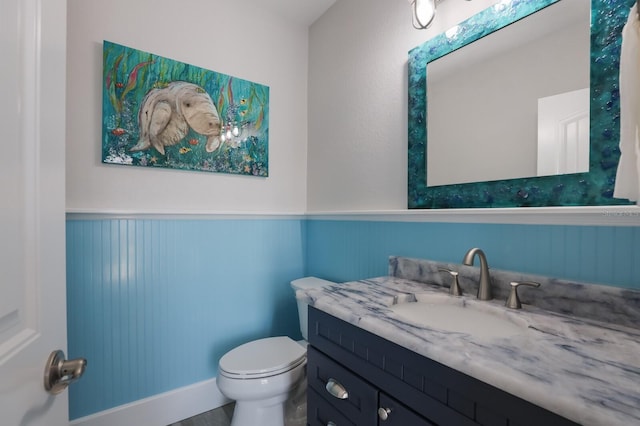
x,y
157,112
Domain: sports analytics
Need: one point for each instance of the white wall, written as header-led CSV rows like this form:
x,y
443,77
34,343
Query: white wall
x,y
226,36
357,155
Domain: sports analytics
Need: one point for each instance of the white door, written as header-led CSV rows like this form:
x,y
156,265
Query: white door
x,y
32,240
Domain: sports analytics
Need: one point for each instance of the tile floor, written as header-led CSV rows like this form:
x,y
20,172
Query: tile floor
x,y
218,417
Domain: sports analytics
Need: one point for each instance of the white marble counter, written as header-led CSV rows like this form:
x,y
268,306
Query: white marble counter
x,y
586,371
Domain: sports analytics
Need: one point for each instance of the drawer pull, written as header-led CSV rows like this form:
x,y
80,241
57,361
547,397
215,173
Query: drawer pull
x,y
336,389
331,423
383,413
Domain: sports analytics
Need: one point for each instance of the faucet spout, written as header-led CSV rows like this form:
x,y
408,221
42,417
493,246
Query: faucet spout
x,y
484,290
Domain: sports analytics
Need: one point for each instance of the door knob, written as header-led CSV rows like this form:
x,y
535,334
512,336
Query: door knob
x,y
60,373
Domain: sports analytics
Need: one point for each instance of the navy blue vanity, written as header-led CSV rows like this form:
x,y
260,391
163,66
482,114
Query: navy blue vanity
x,y
424,391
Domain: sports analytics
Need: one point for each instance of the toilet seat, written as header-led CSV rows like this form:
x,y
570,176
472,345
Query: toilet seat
x,y
262,358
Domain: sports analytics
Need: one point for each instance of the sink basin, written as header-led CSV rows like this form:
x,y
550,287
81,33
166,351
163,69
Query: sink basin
x,y
452,314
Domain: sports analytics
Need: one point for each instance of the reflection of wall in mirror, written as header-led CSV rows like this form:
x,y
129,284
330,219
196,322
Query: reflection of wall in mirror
x,y
563,133
504,90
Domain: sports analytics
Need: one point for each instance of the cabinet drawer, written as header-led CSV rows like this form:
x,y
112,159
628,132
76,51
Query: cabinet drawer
x,y
399,415
359,404
321,413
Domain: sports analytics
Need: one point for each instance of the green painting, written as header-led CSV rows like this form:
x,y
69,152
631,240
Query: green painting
x,y
157,112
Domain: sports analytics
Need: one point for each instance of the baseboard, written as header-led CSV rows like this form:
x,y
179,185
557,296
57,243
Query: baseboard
x,y
162,409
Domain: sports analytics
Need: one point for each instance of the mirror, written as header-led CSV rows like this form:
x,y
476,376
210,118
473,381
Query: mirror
x,y
523,94
592,185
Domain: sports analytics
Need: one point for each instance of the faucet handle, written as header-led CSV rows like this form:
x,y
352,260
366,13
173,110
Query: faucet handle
x,y
513,301
454,287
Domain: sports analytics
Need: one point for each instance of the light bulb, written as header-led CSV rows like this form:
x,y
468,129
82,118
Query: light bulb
x,y
423,13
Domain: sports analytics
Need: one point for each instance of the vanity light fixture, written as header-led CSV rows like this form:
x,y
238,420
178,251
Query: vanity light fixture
x,y
423,11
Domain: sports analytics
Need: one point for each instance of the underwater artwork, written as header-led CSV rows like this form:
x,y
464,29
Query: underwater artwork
x,y
157,112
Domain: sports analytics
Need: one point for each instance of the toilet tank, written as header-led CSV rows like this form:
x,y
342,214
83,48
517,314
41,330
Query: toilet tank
x,y
303,284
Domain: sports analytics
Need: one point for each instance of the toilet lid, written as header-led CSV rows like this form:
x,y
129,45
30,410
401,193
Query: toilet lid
x,y
261,358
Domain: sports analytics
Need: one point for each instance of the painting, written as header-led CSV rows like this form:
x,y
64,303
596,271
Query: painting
x,y
158,112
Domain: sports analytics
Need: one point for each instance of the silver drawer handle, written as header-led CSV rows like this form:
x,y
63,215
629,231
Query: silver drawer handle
x,y
331,424
336,389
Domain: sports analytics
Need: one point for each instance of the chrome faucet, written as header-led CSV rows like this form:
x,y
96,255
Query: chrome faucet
x,y
484,290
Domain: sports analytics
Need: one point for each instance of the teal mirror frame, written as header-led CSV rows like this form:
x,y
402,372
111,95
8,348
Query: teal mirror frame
x,y
581,189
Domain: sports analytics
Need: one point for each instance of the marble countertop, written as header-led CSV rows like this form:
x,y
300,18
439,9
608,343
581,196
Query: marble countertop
x,y
586,371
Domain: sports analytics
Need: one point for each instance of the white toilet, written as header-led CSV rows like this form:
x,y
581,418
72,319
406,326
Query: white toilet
x,y
267,377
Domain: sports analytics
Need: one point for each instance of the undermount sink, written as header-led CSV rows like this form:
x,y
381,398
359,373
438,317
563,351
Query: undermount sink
x,y
453,314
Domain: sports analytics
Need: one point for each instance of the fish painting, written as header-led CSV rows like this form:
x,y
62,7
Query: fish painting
x,y
166,115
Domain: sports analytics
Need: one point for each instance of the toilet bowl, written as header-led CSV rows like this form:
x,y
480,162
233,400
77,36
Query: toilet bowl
x,y
267,377
260,376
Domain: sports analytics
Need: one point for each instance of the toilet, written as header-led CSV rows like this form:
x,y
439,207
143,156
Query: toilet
x,y
267,377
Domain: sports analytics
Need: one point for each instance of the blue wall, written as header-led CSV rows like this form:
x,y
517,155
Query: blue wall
x,y
153,304
348,250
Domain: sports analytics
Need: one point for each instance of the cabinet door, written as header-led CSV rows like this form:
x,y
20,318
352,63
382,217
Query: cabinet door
x,y
393,413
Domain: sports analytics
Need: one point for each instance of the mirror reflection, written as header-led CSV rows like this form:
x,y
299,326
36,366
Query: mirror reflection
x,y
514,103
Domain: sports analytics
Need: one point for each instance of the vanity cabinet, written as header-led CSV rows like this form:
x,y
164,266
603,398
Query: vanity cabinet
x,y
387,384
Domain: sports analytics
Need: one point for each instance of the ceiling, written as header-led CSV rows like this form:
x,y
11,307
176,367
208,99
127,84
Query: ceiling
x,y
301,11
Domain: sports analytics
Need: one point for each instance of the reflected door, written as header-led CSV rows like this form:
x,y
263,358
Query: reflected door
x,y
563,133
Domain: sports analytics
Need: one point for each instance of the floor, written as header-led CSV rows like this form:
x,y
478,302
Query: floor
x,y
218,417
